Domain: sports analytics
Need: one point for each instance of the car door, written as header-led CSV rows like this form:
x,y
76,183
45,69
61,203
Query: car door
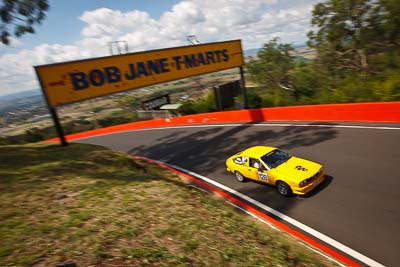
x,y
251,170
261,173
266,175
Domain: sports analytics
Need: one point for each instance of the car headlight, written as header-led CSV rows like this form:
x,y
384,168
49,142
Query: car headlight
x,y
303,183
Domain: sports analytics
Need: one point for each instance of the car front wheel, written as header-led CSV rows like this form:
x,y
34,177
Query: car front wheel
x,y
240,177
283,189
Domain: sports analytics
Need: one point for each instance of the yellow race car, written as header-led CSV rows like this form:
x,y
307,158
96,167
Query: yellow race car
x,y
275,167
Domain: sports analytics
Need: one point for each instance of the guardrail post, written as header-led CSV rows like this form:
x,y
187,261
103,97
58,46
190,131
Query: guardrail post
x,y
57,124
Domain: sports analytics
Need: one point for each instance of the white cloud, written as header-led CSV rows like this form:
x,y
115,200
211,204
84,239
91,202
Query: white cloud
x,y
17,72
108,22
187,12
253,21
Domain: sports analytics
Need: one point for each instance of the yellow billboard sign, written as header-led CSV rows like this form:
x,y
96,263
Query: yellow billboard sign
x,y
74,81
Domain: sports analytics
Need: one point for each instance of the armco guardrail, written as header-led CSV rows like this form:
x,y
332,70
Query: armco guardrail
x,y
355,112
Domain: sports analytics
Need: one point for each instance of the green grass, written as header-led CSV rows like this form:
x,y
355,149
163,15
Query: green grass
x,y
93,206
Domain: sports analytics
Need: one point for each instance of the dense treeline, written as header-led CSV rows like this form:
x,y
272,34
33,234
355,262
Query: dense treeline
x,y
357,46
357,59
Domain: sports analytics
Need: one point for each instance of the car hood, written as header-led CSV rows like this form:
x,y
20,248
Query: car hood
x,y
297,169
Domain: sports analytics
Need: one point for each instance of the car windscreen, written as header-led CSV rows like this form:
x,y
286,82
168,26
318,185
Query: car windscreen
x,y
275,158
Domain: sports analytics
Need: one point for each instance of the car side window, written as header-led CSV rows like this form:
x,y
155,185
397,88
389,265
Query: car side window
x,y
255,163
242,160
238,160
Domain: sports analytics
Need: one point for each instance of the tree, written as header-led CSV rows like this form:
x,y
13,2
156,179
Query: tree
x,y
306,81
349,32
341,35
286,82
272,67
386,21
19,16
254,100
199,106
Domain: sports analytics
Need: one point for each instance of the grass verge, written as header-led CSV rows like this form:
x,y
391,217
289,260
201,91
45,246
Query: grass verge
x,y
93,206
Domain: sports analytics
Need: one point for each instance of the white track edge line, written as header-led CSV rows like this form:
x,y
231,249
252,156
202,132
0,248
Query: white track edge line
x,y
303,227
276,229
322,254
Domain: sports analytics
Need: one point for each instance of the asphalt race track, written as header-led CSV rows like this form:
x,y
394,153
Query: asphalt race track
x,y
358,203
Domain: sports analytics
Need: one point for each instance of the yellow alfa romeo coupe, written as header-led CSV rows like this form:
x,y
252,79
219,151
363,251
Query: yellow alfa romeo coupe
x,y
275,167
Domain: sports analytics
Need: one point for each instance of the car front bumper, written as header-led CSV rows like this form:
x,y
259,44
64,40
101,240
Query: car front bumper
x,y
306,189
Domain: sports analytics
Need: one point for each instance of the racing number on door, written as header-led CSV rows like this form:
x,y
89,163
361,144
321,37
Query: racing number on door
x,y
263,176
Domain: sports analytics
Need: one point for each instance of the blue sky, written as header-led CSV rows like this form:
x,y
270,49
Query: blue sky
x,y
78,29
61,24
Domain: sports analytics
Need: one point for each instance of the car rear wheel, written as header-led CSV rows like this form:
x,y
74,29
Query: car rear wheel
x,y
240,177
283,189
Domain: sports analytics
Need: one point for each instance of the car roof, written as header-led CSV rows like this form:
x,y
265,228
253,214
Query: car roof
x,y
258,151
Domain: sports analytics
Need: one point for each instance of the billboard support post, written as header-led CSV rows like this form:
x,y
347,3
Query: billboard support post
x,y
243,85
217,96
57,124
